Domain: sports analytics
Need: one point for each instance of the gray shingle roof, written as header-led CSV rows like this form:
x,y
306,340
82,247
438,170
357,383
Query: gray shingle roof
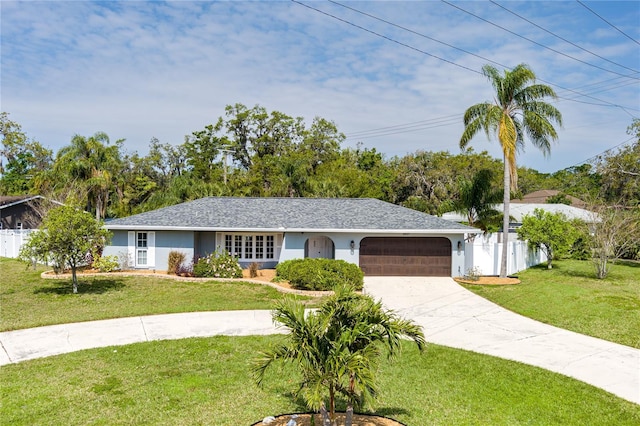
x,y
280,214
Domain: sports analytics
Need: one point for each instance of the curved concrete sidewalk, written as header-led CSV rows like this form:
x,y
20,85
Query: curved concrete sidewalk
x,y
450,315
31,343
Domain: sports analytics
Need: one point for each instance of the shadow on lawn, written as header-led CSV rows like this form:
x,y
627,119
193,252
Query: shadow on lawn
x,y
589,273
96,286
630,263
301,406
581,274
341,407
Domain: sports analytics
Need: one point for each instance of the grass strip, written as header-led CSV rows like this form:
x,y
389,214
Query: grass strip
x,y
570,296
28,300
207,381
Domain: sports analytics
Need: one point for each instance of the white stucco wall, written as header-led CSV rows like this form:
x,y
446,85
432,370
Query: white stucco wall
x,y
165,242
118,245
293,245
457,256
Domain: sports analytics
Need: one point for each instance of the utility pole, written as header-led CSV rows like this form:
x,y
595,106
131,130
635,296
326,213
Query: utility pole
x,y
225,154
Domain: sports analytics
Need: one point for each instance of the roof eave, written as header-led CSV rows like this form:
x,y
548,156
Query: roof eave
x,y
26,200
282,229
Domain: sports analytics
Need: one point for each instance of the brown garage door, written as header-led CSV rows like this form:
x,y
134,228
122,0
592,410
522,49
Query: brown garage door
x,y
398,256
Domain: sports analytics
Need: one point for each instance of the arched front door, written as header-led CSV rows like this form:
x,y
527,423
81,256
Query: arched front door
x,y
319,247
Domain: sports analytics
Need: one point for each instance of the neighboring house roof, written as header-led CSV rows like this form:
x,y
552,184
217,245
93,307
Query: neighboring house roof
x,y
518,211
540,197
289,214
7,201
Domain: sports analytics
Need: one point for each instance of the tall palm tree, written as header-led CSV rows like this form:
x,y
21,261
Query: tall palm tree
x,y
337,347
517,110
94,163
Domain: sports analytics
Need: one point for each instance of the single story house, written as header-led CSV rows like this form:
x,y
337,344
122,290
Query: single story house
x,y
382,238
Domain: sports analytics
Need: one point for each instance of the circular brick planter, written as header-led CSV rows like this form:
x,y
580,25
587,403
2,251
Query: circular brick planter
x,y
304,419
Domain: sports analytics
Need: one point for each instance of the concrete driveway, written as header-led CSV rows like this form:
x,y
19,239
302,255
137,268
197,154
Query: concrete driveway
x,y
453,316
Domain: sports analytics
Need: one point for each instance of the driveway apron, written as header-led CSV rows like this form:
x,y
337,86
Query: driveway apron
x,y
455,317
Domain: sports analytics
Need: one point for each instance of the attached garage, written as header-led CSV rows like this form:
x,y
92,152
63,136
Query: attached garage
x,y
406,256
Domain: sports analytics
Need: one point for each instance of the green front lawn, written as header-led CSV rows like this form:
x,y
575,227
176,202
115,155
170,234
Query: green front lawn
x,y
207,381
27,300
569,296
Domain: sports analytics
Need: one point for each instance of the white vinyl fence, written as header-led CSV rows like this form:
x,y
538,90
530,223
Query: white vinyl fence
x,y
485,254
11,240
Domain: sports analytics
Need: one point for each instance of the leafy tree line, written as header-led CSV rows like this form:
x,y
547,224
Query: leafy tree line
x,y
254,152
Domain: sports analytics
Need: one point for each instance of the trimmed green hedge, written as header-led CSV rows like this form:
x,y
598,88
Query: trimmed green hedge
x,y
319,274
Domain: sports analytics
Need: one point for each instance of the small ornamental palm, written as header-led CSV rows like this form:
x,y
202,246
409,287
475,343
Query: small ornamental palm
x,y
477,198
338,347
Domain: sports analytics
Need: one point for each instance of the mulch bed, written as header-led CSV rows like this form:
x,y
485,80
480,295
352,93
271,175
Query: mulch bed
x,y
489,281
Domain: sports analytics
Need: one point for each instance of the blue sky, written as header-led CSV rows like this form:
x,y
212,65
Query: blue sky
x,y
396,76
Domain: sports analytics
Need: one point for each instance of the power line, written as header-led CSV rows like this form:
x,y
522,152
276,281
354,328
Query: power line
x,y
623,108
609,23
406,128
412,124
385,37
457,48
562,38
600,86
595,157
597,83
611,87
533,41
415,33
601,102
450,120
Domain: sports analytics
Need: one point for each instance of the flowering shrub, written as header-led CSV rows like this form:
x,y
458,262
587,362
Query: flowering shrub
x,y
107,263
219,264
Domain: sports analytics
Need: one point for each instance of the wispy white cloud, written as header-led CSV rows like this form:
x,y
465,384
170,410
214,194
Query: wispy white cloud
x,y
164,69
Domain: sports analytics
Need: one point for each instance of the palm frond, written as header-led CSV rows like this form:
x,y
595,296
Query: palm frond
x,y
474,121
263,361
